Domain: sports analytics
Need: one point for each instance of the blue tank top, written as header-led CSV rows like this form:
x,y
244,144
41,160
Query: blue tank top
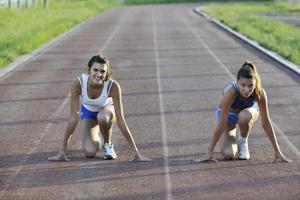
x,y
238,103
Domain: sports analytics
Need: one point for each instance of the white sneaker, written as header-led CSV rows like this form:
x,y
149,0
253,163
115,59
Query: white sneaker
x,y
109,152
243,150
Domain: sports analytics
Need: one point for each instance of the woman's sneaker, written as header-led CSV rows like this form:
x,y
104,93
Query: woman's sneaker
x,y
109,152
243,150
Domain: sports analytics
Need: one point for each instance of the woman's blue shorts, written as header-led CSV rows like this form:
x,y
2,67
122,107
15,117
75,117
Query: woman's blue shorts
x,y
232,116
87,114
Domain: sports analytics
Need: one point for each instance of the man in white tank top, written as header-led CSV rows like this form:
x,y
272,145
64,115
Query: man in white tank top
x,y
101,105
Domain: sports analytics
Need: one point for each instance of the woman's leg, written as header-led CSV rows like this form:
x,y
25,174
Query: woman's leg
x,y
90,137
106,118
246,119
228,142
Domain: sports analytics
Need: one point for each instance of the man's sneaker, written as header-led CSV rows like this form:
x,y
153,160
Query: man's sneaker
x,y
109,152
243,150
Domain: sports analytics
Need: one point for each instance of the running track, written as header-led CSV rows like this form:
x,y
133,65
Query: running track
x,y
172,65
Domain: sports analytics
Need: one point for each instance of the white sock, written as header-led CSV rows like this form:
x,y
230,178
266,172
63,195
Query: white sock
x,y
244,139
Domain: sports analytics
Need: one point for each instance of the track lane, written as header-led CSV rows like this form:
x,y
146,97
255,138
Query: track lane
x,y
191,81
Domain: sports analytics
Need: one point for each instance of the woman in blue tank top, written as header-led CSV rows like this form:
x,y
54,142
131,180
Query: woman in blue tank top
x,y
241,105
97,102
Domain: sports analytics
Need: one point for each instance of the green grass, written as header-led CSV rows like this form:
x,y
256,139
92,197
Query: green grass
x,y
175,1
25,30
129,2
249,19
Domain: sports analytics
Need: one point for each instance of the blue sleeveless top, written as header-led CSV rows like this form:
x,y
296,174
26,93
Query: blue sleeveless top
x,y
238,103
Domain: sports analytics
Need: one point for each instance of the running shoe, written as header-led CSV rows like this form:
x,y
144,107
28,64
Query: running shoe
x,y
109,152
243,150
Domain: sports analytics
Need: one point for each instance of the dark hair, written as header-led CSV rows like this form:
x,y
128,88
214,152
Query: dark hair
x,y
248,70
101,59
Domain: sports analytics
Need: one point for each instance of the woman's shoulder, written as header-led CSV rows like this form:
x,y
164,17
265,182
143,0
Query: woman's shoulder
x,y
84,73
78,81
231,88
114,86
262,96
112,82
232,84
76,86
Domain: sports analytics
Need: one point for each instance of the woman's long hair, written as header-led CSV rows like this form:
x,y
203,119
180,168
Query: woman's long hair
x,y
248,70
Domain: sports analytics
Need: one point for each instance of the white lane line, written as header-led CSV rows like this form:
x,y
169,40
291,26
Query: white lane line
x,y
113,33
207,48
54,116
162,116
35,144
286,139
290,65
281,133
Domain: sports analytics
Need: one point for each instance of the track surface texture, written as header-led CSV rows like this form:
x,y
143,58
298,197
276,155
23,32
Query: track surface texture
x,y
172,65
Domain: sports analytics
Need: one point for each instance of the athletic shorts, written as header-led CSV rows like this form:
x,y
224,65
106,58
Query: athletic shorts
x,y
87,114
232,116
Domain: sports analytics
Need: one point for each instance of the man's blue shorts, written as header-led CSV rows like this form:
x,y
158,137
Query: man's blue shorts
x,y
87,114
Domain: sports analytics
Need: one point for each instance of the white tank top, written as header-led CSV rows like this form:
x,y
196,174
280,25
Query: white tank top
x,y
103,100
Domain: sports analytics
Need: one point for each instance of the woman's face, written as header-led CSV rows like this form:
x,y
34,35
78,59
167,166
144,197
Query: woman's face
x,y
98,73
246,86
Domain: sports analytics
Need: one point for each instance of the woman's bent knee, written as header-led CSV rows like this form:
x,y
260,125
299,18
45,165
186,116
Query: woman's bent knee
x,y
229,154
89,154
90,148
230,151
105,117
245,117
248,117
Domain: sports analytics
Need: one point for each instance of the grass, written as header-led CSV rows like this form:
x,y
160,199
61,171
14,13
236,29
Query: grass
x,y
249,19
24,30
175,1
129,2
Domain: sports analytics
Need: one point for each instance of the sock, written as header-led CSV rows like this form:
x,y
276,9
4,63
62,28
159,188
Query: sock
x,y
244,139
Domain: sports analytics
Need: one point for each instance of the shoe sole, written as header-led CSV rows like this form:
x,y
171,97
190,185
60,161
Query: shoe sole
x,y
109,158
244,158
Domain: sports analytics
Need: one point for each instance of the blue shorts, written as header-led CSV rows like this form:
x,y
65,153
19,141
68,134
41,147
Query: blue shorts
x,y
232,116
87,114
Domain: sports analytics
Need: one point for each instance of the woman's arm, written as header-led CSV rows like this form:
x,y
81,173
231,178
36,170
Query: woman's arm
x,y
225,104
116,94
72,123
267,126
